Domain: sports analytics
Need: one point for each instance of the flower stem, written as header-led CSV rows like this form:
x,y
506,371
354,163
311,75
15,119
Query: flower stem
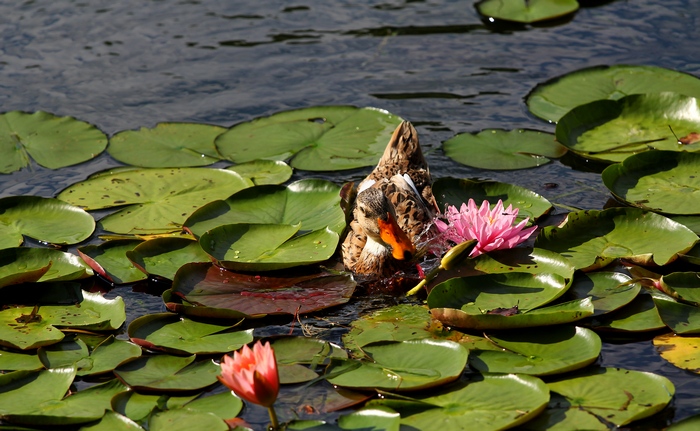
x,y
273,418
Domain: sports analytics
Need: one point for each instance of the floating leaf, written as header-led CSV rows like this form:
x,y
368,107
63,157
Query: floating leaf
x,y
23,264
112,421
109,260
267,247
551,100
485,402
324,138
608,290
612,130
179,335
501,149
684,286
168,373
215,292
619,396
156,200
680,351
592,239
313,203
681,318
185,420
44,219
263,172
295,354
640,315
14,361
138,407
662,181
167,145
526,11
402,366
557,350
453,191
164,256
53,142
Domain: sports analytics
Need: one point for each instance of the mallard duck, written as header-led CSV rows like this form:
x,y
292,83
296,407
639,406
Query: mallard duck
x,y
394,209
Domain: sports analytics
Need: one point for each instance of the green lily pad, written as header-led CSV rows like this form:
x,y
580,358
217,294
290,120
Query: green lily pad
x,y
453,191
110,261
311,202
592,239
558,350
566,312
640,315
53,142
36,398
167,145
164,256
213,292
180,335
682,318
64,353
112,421
680,351
688,424
526,11
684,286
501,149
616,395
156,200
612,130
298,357
267,247
16,361
185,420
551,100
138,407
402,366
608,290
324,138
23,264
168,373
484,402
89,360
44,219
263,172
31,327
662,181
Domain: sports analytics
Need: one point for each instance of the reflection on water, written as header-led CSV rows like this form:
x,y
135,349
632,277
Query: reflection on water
x,y
124,65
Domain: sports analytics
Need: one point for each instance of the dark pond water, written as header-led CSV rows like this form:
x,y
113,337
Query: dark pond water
x,y
127,64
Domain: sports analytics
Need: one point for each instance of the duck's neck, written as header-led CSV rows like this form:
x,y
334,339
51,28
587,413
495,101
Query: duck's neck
x,y
375,249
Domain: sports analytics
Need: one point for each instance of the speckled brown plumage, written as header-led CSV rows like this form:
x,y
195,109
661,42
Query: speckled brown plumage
x,y
414,213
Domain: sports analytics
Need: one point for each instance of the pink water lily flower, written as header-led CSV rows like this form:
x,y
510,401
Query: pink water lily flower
x,y
252,375
492,228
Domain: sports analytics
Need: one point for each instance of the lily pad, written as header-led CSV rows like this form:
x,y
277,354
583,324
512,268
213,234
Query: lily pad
x,y
612,130
608,290
661,181
683,319
616,395
109,260
138,407
298,357
168,373
185,420
15,361
503,149
156,200
267,247
44,219
167,145
485,402
592,239
324,138
313,203
402,366
164,256
526,11
30,327
214,292
640,315
23,264
684,286
53,142
453,191
263,172
180,335
680,351
112,421
551,100
558,350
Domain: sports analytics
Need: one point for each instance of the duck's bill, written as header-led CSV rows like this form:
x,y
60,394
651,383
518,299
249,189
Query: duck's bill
x,y
401,246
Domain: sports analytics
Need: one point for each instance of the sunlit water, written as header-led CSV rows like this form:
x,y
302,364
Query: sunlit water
x,y
128,64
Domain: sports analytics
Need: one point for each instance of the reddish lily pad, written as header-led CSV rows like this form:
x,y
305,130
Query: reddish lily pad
x,y
216,291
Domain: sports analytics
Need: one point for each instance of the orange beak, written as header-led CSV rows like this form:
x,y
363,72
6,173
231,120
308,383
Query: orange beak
x,y
389,231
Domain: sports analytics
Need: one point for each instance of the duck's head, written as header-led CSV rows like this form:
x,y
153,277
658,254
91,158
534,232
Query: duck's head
x,y
377,216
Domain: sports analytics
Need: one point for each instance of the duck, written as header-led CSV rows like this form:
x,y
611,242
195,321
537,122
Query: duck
x,y
393,211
